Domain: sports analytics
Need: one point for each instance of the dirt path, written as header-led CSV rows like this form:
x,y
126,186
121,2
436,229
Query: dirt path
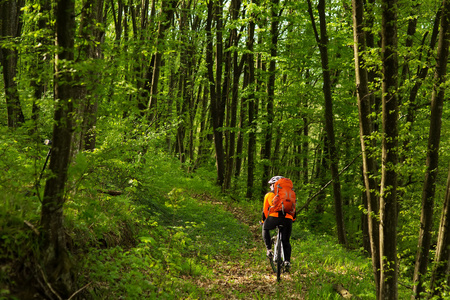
x,y
253,278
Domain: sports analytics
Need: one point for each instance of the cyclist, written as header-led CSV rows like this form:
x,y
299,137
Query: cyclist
x,y
274,218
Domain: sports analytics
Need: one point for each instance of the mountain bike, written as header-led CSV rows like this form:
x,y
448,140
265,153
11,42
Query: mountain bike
x,y
277,261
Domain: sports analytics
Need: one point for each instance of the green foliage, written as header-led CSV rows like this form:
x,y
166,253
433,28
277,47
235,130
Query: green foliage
x,y
131,204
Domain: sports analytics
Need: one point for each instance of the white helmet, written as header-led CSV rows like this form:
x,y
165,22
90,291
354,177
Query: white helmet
x,y
275,179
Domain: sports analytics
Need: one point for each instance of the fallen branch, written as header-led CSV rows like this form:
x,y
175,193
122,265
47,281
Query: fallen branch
x,y
326,185
74,294
342,291
110,192
32,227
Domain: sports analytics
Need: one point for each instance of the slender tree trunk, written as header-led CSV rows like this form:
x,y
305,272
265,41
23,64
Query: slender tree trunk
x,y
441,269
422,72
251,150
365,131
53,249
184,85
11,27
322,41
267,146
38,81
201,153
215,84
167,11
388,190
242,120
321,175
91,32
305,145
233,106
412,25
434,137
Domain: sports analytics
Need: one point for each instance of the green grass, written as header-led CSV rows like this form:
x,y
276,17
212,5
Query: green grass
x,y
324,263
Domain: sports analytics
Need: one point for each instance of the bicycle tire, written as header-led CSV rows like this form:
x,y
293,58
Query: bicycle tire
x,y
271,259
279,260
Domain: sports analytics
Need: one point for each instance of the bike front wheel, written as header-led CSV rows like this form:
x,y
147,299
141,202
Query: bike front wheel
x,y
271,259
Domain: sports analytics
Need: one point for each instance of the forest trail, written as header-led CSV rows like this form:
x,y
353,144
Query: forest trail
x,y
252,278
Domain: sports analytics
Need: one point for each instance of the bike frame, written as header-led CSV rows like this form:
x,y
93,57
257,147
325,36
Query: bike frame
x,y
278,242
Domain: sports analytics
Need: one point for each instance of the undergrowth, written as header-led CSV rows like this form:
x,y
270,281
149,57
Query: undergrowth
x,y
142,227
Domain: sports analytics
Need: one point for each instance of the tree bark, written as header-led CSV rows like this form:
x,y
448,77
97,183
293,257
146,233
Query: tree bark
x,y
434,137
365,131
89,29
38,81
215,84
441,269
422,73
53,249
185,85
251,146
10,28
243,112
233,103
388,189
322,41
167,11
305,145
266,152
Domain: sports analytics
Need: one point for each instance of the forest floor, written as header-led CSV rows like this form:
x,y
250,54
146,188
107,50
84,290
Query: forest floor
x,y
237,279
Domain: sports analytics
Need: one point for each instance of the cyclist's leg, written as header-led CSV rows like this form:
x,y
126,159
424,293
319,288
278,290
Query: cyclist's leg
x,y
287,230
269,224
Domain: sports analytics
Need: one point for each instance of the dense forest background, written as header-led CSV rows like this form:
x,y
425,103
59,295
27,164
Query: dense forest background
x,y
153,106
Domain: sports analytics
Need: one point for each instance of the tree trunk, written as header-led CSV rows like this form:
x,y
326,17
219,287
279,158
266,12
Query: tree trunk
x,y
233,106
251,150
215,84
305,145
321,176
441,270
388,189
54,250
422,74
11,27
322,42
91,32
434,137
242,121
167,11
38,81
203,137
412,25
365,131
267,145
184,86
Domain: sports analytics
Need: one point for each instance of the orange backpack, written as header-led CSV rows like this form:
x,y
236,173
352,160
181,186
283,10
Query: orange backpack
x,y
284,200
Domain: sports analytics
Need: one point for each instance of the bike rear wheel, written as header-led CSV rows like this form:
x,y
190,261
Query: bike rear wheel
x,y
279,257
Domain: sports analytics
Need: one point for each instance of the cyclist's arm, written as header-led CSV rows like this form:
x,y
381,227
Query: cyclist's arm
x,y
266,206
